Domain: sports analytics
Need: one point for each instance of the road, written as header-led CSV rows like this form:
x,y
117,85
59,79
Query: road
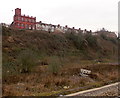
x,y
108,90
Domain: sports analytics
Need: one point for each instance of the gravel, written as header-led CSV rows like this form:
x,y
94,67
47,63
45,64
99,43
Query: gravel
x,y
109,90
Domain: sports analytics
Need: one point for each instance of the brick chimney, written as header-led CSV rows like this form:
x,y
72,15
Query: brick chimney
x,y
79,28
66,26
58,25
40,22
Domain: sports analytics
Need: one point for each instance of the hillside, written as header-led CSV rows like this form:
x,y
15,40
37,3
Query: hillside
x,y
40,62
69,44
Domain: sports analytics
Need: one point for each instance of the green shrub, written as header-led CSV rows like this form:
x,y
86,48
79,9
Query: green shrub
x,y
54,65
113,40
104,36
6,31
92,40
9,68
27,59
78,40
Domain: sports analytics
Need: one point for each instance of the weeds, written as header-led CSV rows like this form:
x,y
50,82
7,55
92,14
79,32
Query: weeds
x,y
54,65
78,40
104,36
63,56
26,61
92,40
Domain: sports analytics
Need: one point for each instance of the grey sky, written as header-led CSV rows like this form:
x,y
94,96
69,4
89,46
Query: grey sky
x,y
84,14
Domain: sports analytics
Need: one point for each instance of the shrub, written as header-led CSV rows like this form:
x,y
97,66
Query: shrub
x,y
78,40
9,68
27,59
114,41
6,31
92,40
104,36
54,65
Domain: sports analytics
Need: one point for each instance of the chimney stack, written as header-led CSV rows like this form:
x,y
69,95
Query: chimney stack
x,y
66,26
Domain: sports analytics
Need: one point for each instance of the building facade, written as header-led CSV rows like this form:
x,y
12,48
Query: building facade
x,y
22,21
5,25
26,22
45,27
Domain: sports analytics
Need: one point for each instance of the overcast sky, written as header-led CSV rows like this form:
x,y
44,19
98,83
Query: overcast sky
x,y
84,14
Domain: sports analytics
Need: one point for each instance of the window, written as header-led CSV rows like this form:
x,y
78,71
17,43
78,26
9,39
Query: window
x,y
33,27
33,20
22,19
29,20
26,19
18,18
22,25
29,26
26,26
14,18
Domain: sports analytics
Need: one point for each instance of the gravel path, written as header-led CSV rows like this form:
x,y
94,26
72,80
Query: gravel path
x,y
109,90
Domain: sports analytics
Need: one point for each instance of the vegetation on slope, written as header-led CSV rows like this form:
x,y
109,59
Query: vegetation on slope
x,y
37,61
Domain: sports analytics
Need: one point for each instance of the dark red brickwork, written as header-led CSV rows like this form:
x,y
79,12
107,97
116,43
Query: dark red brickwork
x,y
22,21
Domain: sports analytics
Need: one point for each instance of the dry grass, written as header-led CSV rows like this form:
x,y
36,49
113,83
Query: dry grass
x,y
72,58
41,82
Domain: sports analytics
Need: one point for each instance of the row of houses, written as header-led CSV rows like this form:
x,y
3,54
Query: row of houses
x,y
29,22
5,25
56,28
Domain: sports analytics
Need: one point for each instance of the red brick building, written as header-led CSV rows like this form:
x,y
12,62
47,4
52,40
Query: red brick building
x,y
22,21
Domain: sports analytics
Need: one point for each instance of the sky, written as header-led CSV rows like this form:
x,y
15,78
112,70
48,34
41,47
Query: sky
x,y
85,14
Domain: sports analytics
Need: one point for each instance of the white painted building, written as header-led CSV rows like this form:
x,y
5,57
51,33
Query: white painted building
x,y
45,27
6,25
56,28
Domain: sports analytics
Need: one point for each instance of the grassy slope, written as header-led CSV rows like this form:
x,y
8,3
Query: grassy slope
x,y
55,44
68,52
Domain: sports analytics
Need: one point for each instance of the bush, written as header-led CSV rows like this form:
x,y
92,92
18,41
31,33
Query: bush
x,y
54,65
78,40
9,68
92,40
104,36
6,31
27,59
113,40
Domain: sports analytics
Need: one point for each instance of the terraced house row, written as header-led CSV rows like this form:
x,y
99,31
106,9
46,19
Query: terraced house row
x,y
27,22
